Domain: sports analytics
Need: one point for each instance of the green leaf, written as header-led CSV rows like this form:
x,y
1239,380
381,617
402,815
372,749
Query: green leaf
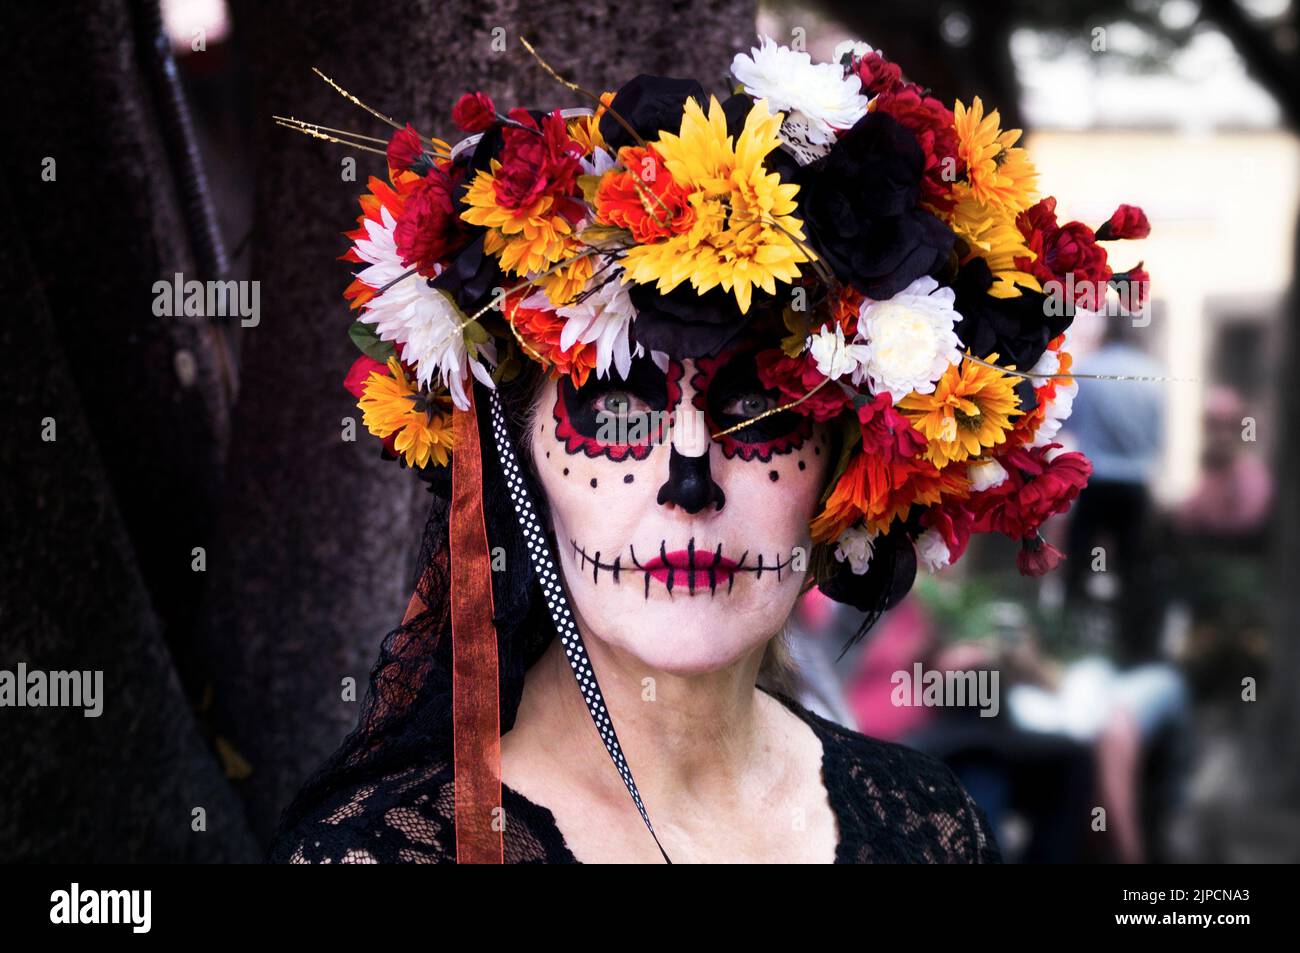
x,y
368,343
851,437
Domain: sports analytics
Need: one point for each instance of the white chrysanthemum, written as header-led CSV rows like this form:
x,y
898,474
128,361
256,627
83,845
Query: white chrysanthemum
x,y
985,475
856,546
421,319
835,357
910,338
1057,412
816,97
856,47
601,316
932,550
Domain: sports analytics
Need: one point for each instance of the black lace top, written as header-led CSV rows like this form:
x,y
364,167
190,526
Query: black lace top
x,y
892,805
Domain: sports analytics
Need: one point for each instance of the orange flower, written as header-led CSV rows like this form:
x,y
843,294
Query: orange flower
x,y
540,330
381,196
876,491
645,198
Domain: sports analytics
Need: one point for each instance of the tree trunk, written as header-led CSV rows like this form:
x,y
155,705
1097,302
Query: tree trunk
x,y
320,533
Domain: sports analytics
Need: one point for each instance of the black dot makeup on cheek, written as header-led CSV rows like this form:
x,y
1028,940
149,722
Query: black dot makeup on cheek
x,y
773,475
802,465
817,450
548,454
628,478
593,483
566,471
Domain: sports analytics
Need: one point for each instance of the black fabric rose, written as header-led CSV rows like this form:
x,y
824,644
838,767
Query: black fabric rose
x,y
471,276
650,104
686,324
1017,329
859,204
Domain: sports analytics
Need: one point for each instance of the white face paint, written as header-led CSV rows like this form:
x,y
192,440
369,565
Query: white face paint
x,y
693,555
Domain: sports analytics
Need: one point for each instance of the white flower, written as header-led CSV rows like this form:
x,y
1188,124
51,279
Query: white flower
x,y
835,358
985,475
1049,363
423,320
856,545
1056,413
932,550
910,338
855,47
601,315
816,97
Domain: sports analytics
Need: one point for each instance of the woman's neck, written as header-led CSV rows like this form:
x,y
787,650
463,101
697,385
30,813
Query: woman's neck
x,y
690,741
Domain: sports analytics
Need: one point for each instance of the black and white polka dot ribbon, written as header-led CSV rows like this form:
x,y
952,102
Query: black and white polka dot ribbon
x,y
548,574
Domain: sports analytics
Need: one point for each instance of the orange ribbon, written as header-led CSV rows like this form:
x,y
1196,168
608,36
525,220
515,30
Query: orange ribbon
x,y
476,716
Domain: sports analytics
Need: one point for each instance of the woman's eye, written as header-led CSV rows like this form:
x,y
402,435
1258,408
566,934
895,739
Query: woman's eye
x,y
620,403
748,405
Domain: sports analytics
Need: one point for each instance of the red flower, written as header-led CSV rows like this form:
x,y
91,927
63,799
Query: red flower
x,y
932,124
359,373
534,165
887,433
954,522
796,376
404,148
474,112
877,74
1133,287
1129,221
1035,489
1037,556
1068,254
429,229
621,199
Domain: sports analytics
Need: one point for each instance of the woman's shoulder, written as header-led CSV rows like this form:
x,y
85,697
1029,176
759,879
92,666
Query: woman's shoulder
x,y
898,804
401,816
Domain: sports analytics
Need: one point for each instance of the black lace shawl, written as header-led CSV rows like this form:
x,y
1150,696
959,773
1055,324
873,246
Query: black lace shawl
x,y
386,795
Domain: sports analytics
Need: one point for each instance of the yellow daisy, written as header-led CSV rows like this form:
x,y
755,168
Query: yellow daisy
x,y
971,409
991,233
390,404
998,171
745,235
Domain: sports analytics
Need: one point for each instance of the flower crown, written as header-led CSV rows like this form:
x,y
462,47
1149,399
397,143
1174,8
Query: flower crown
x,y
886,257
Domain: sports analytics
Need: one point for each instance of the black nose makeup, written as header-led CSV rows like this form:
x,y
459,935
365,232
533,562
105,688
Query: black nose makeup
x,y
690,484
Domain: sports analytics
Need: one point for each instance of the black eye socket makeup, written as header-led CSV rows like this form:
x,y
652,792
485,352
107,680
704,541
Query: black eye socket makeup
x,y
618,418
728,390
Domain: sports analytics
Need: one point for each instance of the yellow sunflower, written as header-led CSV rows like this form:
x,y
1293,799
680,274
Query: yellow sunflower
x,y
745,235
971,409
390,404
527,239
998,171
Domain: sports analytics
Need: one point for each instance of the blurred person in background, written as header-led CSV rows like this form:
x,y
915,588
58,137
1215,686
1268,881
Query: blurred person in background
x,y
1221,539
1119,426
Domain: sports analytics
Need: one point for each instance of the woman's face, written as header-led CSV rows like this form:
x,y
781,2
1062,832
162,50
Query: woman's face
x,y
684,550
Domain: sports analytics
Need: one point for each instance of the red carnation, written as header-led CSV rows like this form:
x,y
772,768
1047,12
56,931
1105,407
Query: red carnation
x,y
474,112
404,148
1133,287
1037,556
954,522
429,230
1035,489
359,373
1129,221
796,376
1068,254
877,74
887,433
932,124
534,165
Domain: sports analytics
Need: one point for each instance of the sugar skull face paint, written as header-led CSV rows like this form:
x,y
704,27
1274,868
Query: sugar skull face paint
x,y
683,549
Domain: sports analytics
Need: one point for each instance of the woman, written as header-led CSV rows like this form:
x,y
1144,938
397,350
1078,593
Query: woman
x,y
666,365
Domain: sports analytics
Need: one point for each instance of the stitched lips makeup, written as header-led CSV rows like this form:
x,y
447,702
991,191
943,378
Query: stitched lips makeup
x,y
691,570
